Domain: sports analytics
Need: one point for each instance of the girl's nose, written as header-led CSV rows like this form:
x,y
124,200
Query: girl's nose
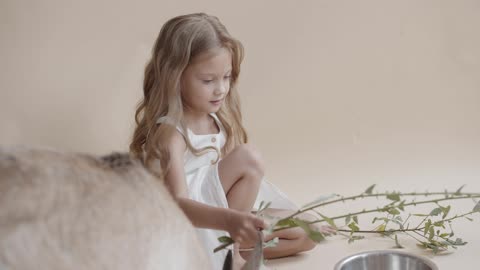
x,y
221,88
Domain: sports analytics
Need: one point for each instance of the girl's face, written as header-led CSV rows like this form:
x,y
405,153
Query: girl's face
x,y
206,81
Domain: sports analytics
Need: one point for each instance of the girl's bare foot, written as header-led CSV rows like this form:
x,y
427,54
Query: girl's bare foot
x,y
325,229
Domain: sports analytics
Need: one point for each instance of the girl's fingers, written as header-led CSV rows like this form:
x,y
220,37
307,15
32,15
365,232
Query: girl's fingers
x,y
265,225
239,240
260,223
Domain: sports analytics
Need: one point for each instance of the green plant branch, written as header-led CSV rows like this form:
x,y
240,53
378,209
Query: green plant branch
x,y
380,232
433,240
382,209
385,194
406,230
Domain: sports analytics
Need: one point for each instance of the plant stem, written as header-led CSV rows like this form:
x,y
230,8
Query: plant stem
x,y
448,196
389,231
405,230
343,199
463,196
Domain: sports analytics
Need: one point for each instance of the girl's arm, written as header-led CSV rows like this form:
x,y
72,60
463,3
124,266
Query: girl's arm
x,y
242,226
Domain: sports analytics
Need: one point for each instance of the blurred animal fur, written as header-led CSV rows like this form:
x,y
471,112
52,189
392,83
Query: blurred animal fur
x,y
76,211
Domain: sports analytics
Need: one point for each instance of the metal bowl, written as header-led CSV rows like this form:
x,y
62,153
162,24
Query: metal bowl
x,y
385,260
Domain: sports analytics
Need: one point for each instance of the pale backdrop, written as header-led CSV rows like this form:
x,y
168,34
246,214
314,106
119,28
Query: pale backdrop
x,y
337,95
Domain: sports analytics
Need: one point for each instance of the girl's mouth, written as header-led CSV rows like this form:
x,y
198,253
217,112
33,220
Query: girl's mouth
x,y
217,102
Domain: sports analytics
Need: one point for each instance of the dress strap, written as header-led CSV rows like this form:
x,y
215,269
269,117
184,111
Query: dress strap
x,y
167,120
219,123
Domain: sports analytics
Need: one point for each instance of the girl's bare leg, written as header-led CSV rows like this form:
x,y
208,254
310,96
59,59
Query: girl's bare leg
x,y
291,241
241,172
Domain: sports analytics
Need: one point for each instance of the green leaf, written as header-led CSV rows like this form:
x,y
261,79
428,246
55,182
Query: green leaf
x,y
225,239
422,244
401,205
397,244
328,220
393,196
459,190
266,206
316,236
445,210
287,223
260,207
420,215
477,207
369,189
312,234
353,227
347,219
393,211
436,211
355,218
427,226
386,220
355,237
431,233
302,224
459,242
439,224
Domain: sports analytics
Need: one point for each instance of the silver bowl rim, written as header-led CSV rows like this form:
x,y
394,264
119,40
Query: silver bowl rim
x,y
427,261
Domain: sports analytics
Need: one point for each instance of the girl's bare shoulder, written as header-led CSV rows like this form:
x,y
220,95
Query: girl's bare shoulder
x,y
176,143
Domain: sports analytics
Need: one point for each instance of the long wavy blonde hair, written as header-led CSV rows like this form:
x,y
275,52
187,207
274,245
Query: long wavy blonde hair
x,y
180,40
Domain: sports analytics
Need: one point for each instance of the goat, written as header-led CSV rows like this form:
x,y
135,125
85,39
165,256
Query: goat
x,y
62,210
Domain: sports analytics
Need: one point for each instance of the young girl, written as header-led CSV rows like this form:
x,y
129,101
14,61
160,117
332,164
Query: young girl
x,y
189,132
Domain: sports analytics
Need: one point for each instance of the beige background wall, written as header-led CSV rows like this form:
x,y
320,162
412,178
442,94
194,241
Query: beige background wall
x,y
336,94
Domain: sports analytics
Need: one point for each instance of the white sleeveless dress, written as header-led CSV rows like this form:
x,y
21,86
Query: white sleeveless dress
x,y
204,186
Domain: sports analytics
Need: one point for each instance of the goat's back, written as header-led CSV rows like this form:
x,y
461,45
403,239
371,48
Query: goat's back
x,y
75,211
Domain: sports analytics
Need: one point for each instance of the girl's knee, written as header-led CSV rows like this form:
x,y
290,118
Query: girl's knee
x,y
252,158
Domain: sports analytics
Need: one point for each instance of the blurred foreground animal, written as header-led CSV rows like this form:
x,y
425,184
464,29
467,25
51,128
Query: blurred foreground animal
x,y
77,211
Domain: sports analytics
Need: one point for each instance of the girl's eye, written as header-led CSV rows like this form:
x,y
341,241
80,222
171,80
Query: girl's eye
x,y
227,77
207,81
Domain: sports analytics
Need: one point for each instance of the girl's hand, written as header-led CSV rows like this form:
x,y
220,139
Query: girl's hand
x,y
243,227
